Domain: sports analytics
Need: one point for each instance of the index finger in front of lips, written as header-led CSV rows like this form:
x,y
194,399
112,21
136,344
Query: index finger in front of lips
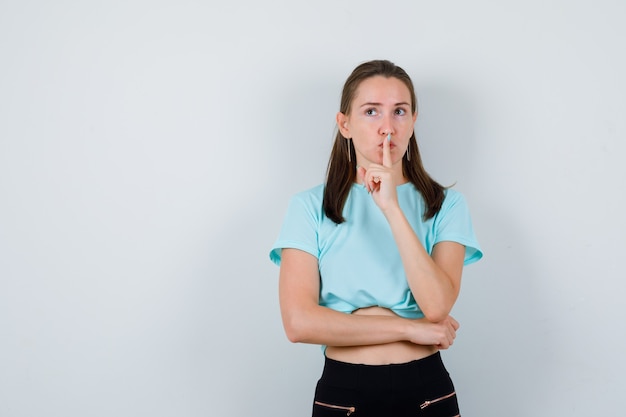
x,y
387,151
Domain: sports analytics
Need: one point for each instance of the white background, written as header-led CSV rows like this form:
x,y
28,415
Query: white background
x,y
148,150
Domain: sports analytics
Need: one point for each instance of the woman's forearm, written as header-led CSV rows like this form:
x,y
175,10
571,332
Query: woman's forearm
x,y
321,325
434,288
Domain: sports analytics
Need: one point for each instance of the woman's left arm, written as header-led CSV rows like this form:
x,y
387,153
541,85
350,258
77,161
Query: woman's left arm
x,y
434,280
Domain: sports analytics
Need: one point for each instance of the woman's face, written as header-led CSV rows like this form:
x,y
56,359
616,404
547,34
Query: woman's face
x,y
380,106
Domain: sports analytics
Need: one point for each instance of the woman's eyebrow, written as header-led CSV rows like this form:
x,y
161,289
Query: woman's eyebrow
x,y
369,103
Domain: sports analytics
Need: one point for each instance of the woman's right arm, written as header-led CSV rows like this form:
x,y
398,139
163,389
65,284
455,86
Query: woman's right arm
x,y
305,321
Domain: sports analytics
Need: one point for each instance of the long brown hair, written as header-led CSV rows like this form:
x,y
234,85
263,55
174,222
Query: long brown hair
x,y
341,172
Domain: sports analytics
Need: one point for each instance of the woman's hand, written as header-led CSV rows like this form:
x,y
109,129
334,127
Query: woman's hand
x,y
440,334
378,180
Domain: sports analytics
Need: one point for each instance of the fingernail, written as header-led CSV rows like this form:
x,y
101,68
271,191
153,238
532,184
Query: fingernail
x,y
388,137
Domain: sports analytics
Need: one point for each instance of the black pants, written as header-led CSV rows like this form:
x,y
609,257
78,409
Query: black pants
x,y
418,388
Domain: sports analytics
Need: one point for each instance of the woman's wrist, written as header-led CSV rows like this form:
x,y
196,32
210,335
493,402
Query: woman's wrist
x,y
409,329
392,211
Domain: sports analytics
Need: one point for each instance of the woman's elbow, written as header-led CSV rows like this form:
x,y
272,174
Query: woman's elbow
x,y
437,309
436,314
293,335
295,328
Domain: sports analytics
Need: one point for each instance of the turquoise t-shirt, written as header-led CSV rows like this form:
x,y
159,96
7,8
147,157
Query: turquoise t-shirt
x,y
359,261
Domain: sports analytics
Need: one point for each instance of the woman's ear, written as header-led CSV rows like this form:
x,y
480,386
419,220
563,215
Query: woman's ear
x,y
342,125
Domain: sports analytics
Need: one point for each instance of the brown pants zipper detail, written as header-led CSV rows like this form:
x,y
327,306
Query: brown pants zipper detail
x,y
348,410
436,400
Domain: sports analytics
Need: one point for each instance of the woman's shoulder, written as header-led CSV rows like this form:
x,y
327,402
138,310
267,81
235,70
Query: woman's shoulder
x,y
311,198
312,194
452,195
454,202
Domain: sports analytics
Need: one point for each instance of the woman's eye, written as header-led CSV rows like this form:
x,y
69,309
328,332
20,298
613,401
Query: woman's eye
x,y
371,112
400,112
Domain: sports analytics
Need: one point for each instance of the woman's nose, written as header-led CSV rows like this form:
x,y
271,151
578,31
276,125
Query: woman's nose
x,y
386,127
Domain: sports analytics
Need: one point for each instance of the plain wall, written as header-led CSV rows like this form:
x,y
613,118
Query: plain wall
x,y
148,150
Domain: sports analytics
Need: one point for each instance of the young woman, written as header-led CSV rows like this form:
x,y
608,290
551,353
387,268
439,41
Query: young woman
x,y
371,261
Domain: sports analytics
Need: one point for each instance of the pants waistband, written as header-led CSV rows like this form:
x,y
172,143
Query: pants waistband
x,y
394,376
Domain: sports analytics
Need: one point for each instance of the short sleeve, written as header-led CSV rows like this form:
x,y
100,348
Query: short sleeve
x,y
454,223
299,228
